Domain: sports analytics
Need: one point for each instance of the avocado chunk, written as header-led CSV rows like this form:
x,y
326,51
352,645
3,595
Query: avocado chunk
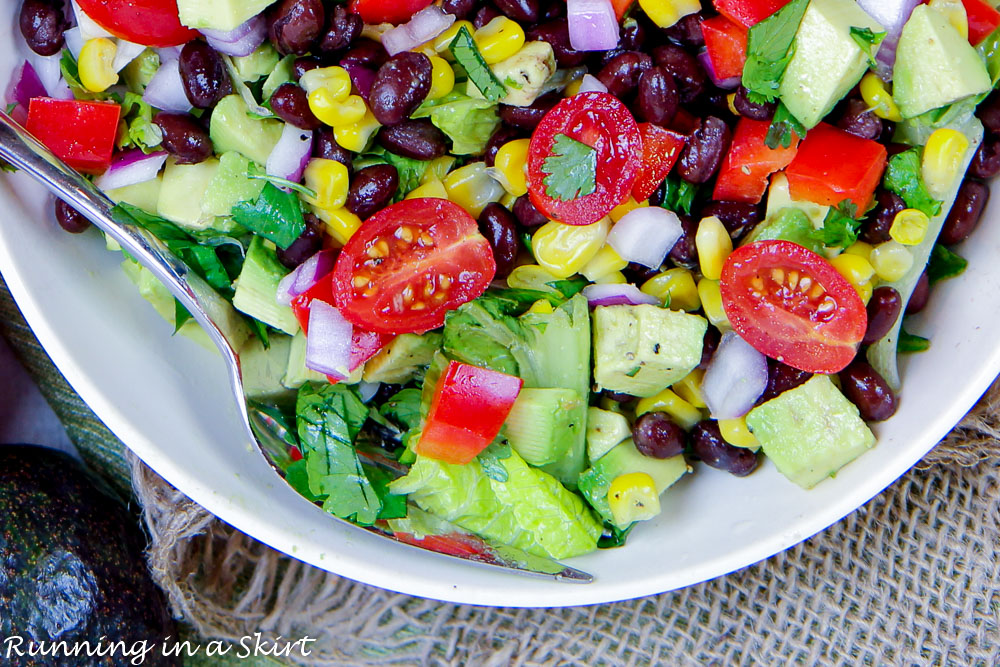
x,y
605,429
811,431
182,191
935,65
780,197
153,291
296,373
544,423
621,460
642,350
232,129
224,15
263,367
257,288
402,359
788,224
230,185
259,63
145,195
827,62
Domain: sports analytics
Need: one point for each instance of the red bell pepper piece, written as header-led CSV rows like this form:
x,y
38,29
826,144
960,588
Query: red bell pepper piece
x,y
660,150
470,405
621,6
81,134
983,20
744,172
748,12
387,11
833,165
726,43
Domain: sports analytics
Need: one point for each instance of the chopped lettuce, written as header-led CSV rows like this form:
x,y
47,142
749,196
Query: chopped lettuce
x,y
138,73
468,122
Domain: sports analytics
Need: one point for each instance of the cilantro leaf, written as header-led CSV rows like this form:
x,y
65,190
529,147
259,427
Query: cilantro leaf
x,y
275,214
840,227
569,287
571,169
678,195
944,264
903,177
770,46
783,126
254,172
466,53
867,40
403,408
910,343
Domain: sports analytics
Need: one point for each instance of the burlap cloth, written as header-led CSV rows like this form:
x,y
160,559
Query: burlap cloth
x,y
910,578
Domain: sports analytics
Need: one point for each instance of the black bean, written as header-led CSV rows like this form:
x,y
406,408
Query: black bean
x,y
658,436
920,296
70,219
780,378
633,35
687,31
295,25
460,8
522,11
204,75
875,229
703,153
883,311
401,84
303,64
864,387
326,147
657,100
527,118
499,227
621,74
372,188
685,252
365,53
484,16
685,69
860,121
709,446
986,161
617,396
342,28
709,344
309,243
737,217
416,139
290,103
965,212
637,274
989,113
500,136
184,137
752,110
556,33
43,24
527,215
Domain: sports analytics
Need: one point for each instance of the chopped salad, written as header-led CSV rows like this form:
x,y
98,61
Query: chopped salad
x,y
546,257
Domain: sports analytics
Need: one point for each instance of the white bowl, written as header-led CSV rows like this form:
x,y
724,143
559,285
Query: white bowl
x,y
169,401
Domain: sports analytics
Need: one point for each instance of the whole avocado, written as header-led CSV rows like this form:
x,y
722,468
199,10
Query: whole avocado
x,y
72,567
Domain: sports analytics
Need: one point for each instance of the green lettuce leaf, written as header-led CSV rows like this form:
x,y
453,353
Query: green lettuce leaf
x,y
469,122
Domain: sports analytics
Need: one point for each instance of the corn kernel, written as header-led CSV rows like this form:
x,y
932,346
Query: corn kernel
x,y
858,271
355,137
891,261
714,246
438,168
531,276
510,164
860,248
565,249
335,113
675,288
442,78
508,200
472,188
954,11
431,189
96,63
335,80
689,388
682,412
943,158
542,307
626,207
573,87
499,39
613,278
666,13
339,222
878,99
710,295
731,103
909,227
444,40
329,180
633,497
605,263
736,433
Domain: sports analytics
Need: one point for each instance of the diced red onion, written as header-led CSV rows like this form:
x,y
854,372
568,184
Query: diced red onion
x,y
241,40
168,53
126,53
736,377
305,275
89,29
645,235
361,77
424,26
617,295
48,71
74,41
291,154
593,25
131,167
591,84
328,345
166,89
367,390
24,85
63,91
731,83
892,15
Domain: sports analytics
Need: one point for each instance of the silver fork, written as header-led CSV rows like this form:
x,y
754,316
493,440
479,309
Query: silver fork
x,y
227,329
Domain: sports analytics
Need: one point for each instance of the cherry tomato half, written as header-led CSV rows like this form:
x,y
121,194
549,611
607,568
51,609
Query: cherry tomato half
x,y
601,122
146,22
409,264
792,305
387,11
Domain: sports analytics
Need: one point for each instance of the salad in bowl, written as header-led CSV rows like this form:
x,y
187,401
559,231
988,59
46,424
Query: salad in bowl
x,y
545,258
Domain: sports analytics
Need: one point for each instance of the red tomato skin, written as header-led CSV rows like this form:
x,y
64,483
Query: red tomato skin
x,y
726,43
983,20
748,12
602,122
807,343
745,170
621,6
387,11
832,165
82,134
661,149
470,405
146,22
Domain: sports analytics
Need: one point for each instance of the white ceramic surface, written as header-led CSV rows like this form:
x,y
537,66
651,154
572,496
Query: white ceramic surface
x,y
169,401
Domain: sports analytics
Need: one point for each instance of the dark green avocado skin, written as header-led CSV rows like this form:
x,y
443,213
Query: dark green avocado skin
x,y
72,566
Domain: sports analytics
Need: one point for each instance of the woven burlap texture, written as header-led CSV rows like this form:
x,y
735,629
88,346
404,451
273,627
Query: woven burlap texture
x,y
910,578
